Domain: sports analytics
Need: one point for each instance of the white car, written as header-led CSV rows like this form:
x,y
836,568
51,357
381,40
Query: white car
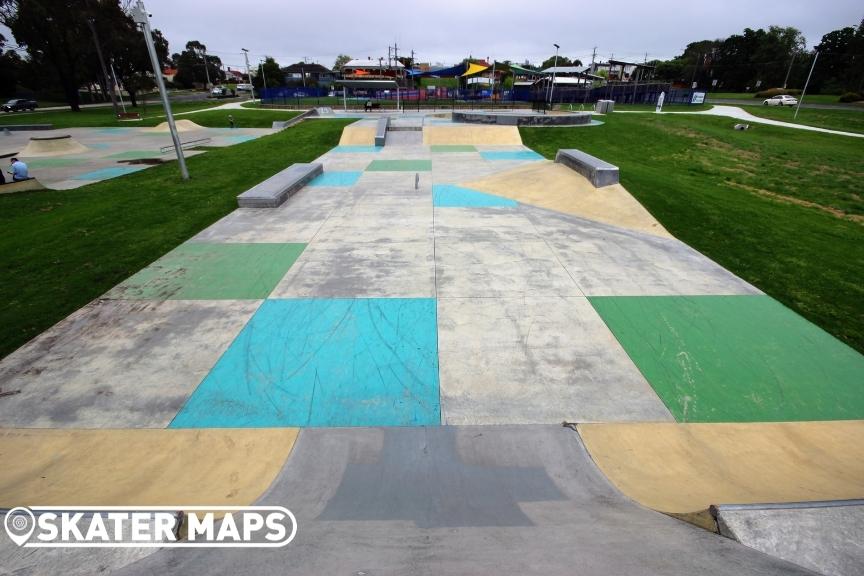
x,y
781,100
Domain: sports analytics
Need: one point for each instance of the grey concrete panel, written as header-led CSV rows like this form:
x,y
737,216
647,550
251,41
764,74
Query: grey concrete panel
x,y
405,138
522,118
484,225
123,364
464,500
495,269
828,540
275,190
536,360
361,270
599,172
608,261
381,130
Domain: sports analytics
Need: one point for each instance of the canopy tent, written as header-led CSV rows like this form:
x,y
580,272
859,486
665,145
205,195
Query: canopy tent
x,y
474,69
517,70
441,73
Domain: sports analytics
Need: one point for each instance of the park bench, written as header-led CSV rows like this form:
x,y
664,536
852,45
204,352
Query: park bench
x,y
599,172
372,106
381,131
272,192
129,116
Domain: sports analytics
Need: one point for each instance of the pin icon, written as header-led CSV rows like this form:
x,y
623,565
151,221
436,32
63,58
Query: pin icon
x,y
19,524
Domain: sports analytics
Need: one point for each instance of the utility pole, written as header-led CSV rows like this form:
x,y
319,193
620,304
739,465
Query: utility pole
x,y
140,16
803,92
206,68
593,56
105,76
552,88
789,71
248,75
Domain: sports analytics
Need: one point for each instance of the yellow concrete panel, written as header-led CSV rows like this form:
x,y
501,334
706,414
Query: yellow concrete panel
x,y
57,147
182,126
22,186
358,136
143,467
470,134
556,187
684,468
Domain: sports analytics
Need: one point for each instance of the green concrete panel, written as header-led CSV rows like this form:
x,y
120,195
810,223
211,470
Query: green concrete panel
x,y
399,166
736,358
448,148
135,154
202,271
37,163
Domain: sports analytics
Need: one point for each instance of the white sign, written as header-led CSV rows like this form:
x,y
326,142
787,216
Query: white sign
x,y
150,526
698,98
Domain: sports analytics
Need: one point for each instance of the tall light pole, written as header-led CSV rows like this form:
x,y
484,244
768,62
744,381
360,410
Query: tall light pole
x,y
140,16
248,75
206,67
263,76
803,92
552,89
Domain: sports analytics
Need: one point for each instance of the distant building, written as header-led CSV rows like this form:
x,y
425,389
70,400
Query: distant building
x,y
169,73
235,76
370,69
306,73
620,71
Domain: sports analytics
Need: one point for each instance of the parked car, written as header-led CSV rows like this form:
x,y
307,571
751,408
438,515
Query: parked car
x,y
244,87
781,100
219,92
17,104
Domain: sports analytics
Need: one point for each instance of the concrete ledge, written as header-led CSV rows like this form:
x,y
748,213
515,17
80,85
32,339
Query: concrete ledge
x,y
272,192
23,186
599,172
523,119
381,131
25,127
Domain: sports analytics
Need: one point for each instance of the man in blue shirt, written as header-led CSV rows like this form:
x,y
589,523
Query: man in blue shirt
x,y
18,170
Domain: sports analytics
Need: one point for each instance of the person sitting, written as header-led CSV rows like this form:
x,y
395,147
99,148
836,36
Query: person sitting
x,y
367,107
18,170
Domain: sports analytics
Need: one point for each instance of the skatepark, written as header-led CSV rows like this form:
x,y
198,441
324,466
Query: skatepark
x,y
445,354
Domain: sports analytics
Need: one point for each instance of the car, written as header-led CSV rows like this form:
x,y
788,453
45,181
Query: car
x,y
219,92
244,87
781,100
17,104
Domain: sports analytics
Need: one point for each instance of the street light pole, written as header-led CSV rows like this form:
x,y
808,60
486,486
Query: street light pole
x,y
552,90
206,68
803,92
140,16
263,76
248,75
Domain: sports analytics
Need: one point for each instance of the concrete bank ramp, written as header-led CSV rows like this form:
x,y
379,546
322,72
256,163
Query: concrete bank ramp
x,y
557,187
472,135
358,134
182,126
52,146
827,537
464,500
683,469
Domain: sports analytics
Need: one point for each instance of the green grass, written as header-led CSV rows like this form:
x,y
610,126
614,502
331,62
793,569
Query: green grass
x,y
835,119
104,116
242,118
61,249
781,208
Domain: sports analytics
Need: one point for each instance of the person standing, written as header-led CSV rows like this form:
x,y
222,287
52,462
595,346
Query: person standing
x,y
18,170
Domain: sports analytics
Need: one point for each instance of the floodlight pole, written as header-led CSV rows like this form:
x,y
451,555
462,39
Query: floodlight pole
x,y
140,16
807,83
552,89
248,75
263,76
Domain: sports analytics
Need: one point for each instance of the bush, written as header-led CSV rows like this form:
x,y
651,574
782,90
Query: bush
x,y
851,97
776,92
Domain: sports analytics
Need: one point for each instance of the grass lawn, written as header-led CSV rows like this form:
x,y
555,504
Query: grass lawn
x,y
152,114
781,208
836,119
61,249
242,118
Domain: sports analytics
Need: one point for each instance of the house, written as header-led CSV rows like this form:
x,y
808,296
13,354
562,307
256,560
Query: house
x,y
235,76
311,73
620,71
169,73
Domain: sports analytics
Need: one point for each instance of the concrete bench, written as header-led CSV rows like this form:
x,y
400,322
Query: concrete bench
x,y
381,131
10,187
279,187
600,173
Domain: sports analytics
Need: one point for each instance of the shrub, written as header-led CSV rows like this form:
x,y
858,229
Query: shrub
x,y
776,92
851,97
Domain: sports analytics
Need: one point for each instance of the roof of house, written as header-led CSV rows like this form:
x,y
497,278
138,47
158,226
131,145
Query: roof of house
x,y
370,63
565,70
303,68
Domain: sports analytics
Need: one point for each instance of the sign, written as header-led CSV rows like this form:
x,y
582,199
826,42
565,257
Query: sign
x,y
698,98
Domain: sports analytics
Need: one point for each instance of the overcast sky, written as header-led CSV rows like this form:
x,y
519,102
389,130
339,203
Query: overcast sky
x,y
448,30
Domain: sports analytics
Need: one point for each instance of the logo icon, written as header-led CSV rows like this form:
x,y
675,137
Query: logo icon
x,y
19,524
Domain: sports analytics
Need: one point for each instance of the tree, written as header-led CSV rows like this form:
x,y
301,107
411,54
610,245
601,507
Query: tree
x,y
131,61
341,60
562,61
191,66
270,71
11,66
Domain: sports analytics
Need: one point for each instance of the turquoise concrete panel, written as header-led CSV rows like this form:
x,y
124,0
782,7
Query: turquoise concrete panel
x,y
352,149
511,155
336,179
449,196
339,362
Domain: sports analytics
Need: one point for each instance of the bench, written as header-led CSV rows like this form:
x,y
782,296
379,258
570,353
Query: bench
x,y
599,172
272,192
129,116
371,106
381,131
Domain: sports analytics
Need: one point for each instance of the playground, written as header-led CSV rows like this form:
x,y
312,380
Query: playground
x,y
392,352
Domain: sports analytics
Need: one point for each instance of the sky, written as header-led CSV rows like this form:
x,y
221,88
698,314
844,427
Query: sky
x,y
446,31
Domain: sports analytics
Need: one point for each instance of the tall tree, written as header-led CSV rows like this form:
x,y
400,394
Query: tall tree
x,y
270,72
341,60
191,66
